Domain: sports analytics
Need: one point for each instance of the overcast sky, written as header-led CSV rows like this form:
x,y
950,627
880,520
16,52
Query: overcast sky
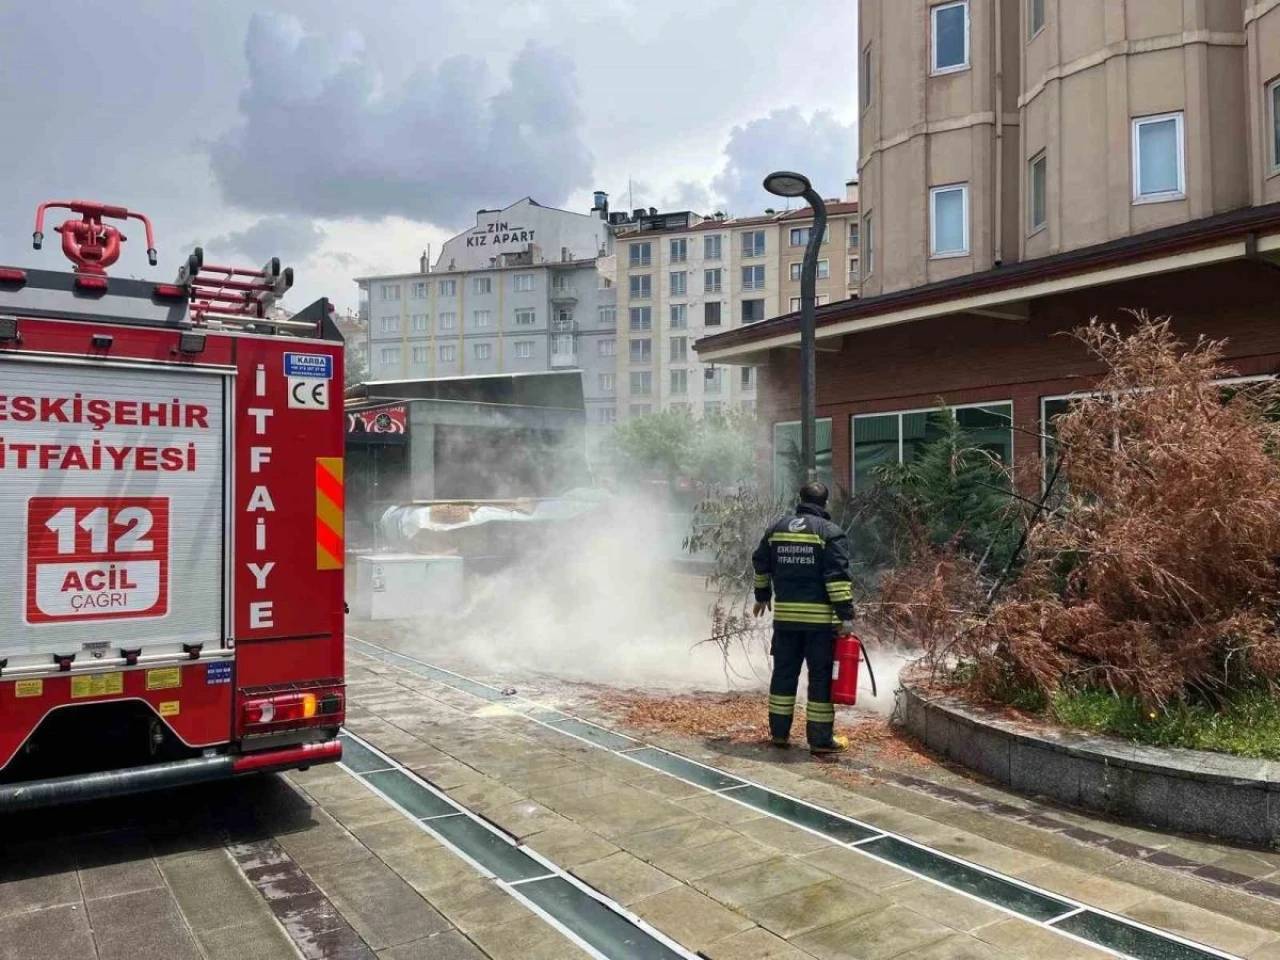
x,y
346,137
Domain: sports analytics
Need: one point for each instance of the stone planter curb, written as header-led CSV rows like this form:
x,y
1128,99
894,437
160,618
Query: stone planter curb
x,y
1190,790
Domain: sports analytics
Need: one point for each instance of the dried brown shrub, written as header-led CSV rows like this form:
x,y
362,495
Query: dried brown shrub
x,y
1156,576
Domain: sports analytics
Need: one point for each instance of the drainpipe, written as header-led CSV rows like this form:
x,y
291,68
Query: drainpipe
x,y
997,231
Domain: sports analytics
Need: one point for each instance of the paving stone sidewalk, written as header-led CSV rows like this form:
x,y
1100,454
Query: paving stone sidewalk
x,y
728,881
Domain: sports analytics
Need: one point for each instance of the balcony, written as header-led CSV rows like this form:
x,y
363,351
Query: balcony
x,y
564,293
561,361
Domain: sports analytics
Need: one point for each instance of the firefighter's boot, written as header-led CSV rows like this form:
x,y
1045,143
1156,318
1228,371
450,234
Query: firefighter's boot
x,y
781,710
820,728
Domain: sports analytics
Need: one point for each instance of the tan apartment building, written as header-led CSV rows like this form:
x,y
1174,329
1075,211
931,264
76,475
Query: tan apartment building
x,y
838,259
681,276
1026,165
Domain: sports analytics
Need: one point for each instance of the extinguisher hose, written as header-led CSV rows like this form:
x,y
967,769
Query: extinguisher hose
x,y
870,672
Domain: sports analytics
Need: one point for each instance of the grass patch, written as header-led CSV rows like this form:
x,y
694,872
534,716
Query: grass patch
x,y
1248,724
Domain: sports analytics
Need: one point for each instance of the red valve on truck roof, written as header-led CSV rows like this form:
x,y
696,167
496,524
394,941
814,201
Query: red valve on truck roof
x,y
89,243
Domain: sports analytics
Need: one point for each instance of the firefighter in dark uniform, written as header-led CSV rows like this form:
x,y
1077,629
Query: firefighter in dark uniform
x,y
802,566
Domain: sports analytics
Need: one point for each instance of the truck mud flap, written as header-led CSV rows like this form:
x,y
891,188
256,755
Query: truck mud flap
x,y
112,783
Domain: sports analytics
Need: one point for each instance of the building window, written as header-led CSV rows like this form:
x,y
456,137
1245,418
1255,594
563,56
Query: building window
x,y
679,316
1273,101
748,378
679,250
711,314
482,351
526,318
752,311
679,382
607,316
418,290
864,78
608,414
420,354
524,349
391,291
642,351
679,349
641,287
712,280
641,318
818,301
390,356
868,244
1158,163
886,438
482,285
608,348
1035,17
753,243
641,254
800,236
418,323
448,288
448,321
390,324
855,273
711,247
481,318
641,384
949,220
853,234
640,409
679,284
712,379
607,383
950,36
753,278
1037,191
824,270
564,345
448,353
788,472
524,283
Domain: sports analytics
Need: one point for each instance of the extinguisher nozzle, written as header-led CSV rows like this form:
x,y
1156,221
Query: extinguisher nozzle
x,y
37,240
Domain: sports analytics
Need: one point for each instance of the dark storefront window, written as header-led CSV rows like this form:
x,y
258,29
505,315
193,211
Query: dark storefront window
x,y
787,472
885,438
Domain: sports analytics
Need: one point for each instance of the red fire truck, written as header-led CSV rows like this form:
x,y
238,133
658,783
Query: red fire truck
x,y
171,528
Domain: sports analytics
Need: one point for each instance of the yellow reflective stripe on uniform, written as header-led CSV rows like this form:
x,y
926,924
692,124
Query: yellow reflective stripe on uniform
x,y
820,712
797,607
782,706
762,579
807,619
839,590
796,538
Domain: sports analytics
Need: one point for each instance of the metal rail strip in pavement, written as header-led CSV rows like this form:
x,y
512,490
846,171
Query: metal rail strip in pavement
x,y
1062,915
599,925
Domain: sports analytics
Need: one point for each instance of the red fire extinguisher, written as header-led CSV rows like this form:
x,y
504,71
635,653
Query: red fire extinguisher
x,y
844,675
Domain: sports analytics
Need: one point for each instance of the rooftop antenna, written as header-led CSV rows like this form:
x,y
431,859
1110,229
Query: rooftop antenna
x,y
631,195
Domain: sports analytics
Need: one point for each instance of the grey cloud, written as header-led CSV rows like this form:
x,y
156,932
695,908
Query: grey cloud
x,y
689,195
823,149
323,134
289,238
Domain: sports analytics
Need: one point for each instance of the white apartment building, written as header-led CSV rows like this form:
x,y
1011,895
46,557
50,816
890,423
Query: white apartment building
x,y
521,291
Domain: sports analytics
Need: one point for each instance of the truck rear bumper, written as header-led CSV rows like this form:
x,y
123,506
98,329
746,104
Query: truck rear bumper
x,y
117,783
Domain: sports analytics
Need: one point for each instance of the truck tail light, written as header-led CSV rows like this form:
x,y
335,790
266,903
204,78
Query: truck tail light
x,y
291,708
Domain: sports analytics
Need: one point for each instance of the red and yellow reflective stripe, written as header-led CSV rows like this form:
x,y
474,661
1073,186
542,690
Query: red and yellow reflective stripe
x,y
329,506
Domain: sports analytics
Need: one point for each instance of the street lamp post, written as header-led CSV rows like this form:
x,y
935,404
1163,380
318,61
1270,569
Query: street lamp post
x,y
784,183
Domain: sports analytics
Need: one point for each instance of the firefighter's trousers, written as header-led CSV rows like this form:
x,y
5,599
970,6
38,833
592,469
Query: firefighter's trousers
x,y
792,647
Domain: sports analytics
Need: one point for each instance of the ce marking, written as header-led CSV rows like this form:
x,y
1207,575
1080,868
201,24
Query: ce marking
x,y
306,393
